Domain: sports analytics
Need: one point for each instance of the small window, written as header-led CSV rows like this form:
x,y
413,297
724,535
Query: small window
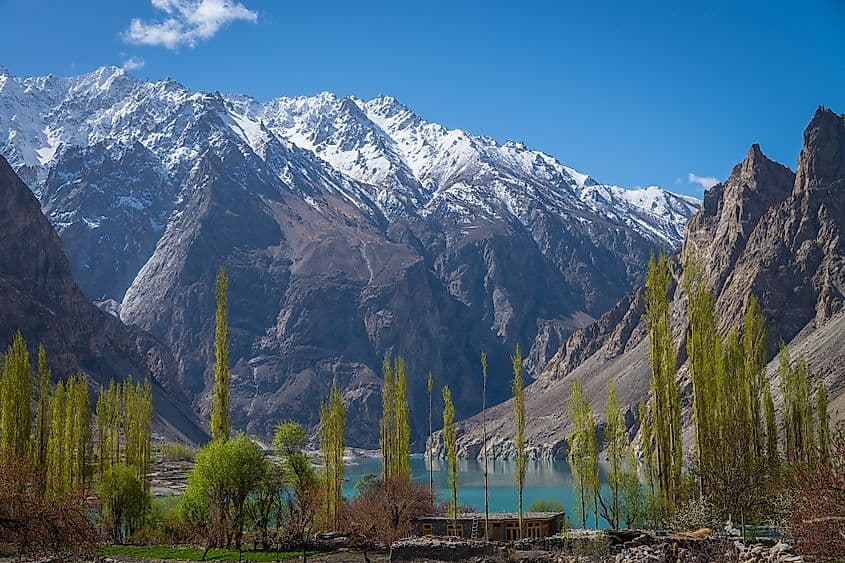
x,y
512,529
427,530
456,530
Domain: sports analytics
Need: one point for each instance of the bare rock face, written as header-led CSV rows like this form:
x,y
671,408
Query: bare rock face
x,y
765,232
41,299
351,230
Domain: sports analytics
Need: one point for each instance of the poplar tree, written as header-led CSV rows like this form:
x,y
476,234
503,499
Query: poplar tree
x,y
16,400
395,438
518,389
42,419
772,454
484,442
754,336
332,430
430,386
450,439
403,421
108,423
647,439
616,441
137,428
823,424
583,453
55,443
387,440
797,409
702,347
220,426
665,390
76,435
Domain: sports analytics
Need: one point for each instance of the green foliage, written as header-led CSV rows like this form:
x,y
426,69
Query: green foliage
x,y
665,399
518,391
125,410
395,437
583,453
225,473
176,451
220,426
16,400
546,505
823,425
124,501
290,438
616,444
450,439
156,552
42,417
364,482
797,408
332,429
55,443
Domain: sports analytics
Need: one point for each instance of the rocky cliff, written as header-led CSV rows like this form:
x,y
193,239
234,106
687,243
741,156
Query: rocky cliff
x,y
765,232
352,229
41,299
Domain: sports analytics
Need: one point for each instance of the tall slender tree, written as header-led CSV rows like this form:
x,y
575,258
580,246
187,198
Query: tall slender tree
x,y
754,336
42,417
518,389
772,454
484,443
583,453
220,425
55,443
702,336
16,400
450,440
665,390
822,424
395,437
797,409
430,386
616,443
332,432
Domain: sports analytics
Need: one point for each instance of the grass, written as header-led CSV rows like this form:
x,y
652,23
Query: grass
x,y
192,553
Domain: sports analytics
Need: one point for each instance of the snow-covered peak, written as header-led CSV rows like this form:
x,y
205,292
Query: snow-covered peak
x,y
378,151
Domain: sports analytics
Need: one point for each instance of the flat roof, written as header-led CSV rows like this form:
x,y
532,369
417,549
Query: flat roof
x,y
496,516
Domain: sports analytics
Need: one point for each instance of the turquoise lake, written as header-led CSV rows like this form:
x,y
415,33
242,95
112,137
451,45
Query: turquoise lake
x,y
543,480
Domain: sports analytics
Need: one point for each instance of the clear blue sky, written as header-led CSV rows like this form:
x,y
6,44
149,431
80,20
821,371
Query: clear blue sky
x,y
634,93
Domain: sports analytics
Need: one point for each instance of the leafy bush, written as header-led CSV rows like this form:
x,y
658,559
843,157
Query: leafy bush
x,y
546,505
124,500
225,474
177,451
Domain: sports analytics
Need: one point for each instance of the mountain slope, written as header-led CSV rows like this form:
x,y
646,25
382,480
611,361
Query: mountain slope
x,y
764,232
41,300
352,230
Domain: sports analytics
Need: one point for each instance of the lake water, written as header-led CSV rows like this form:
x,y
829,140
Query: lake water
x,y
543,480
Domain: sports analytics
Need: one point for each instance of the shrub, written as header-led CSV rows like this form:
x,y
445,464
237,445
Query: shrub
x,y
177,451
225,474
546,505
694,514
33,523
124,502
818,516
384,511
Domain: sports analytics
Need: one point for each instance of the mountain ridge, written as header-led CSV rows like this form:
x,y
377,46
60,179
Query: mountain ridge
x,y
352,230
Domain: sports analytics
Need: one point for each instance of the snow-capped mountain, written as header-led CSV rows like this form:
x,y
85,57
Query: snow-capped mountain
x,y
351,228
405,161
